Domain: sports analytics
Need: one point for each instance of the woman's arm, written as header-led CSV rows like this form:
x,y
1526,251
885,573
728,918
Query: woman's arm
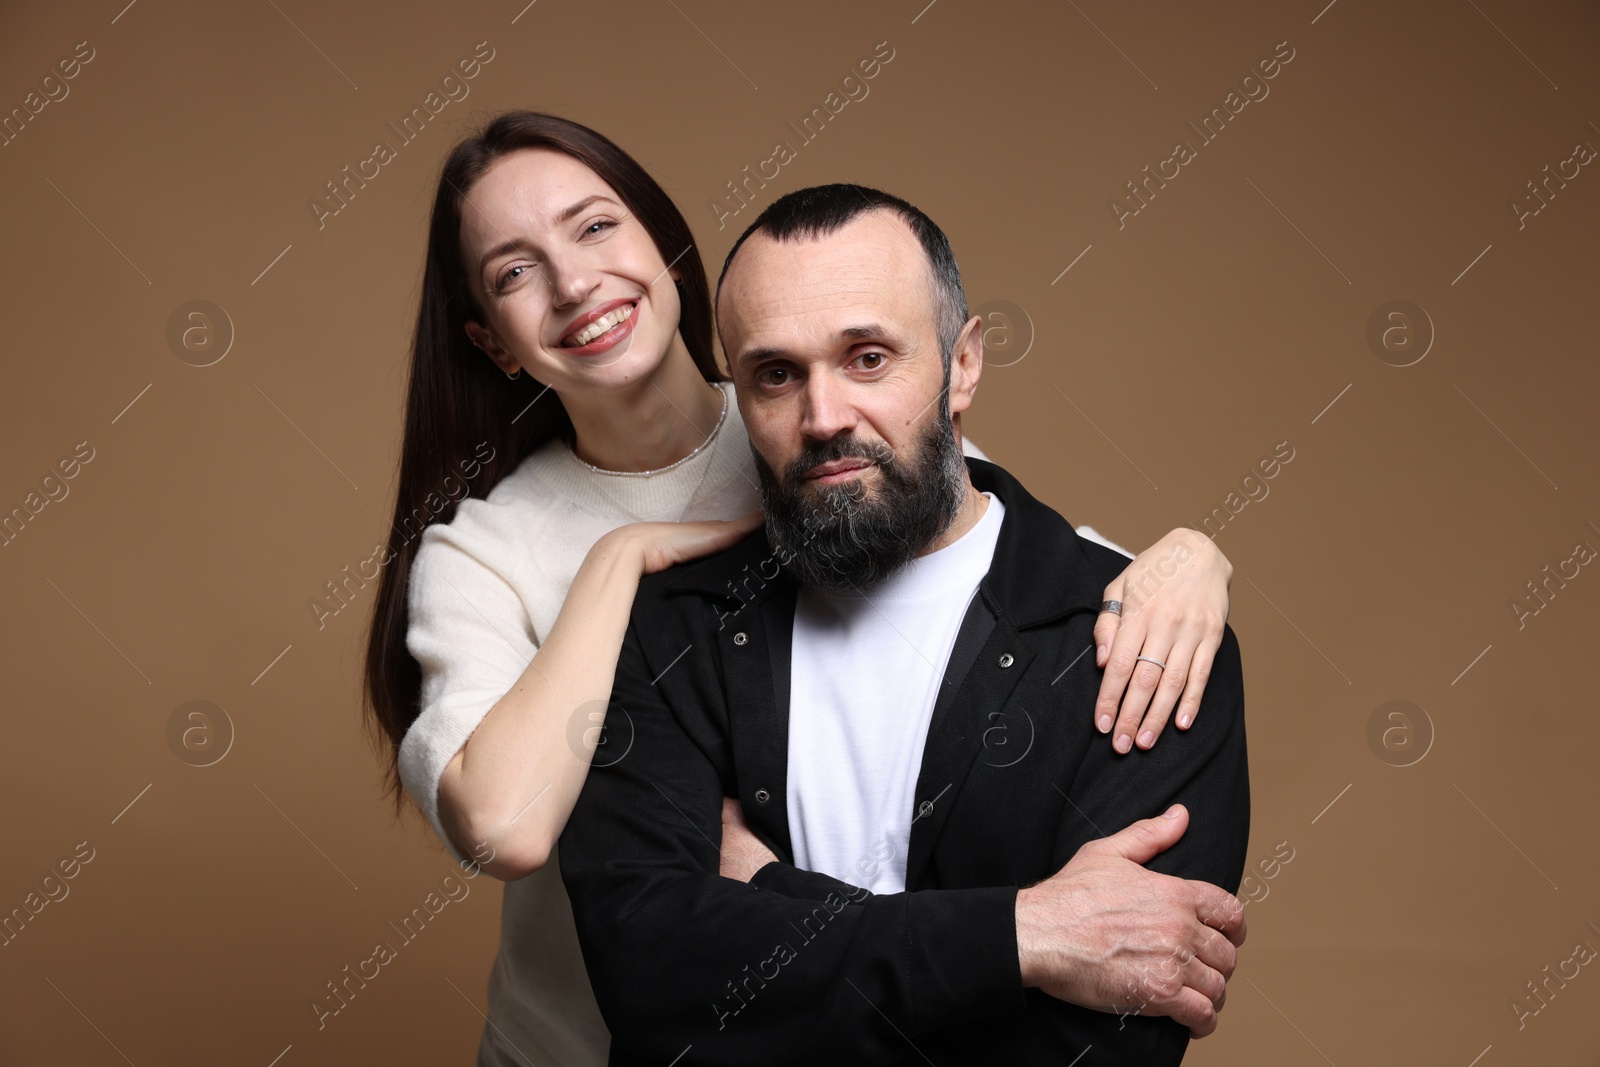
x,y
1174,604
505,796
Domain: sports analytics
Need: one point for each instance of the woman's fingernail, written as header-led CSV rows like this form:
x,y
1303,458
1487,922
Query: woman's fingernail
x,y
1183,722
1170,813
1100,653
1145,739
1105,724
1122,743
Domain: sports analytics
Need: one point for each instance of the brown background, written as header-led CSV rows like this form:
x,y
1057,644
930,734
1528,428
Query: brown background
x,y
1226,317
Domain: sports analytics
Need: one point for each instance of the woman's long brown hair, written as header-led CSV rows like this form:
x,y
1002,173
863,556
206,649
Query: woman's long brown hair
x,y
466,425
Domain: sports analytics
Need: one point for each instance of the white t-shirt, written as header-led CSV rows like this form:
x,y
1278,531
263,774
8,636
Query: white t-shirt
x,y
864,674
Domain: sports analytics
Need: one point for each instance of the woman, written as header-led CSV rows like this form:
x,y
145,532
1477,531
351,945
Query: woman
x,y
568,430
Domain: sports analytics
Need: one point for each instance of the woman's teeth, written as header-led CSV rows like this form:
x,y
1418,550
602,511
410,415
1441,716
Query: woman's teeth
x,y
601,325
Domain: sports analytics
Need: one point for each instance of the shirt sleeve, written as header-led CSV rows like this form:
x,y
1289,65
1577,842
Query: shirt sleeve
x,y
970,449
792,881
1207,771
470,633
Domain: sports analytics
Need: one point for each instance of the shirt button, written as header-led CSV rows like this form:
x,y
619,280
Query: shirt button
x,y
762,796
1006,660
741,638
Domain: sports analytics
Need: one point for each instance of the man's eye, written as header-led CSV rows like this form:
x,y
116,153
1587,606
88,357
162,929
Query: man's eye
x,y
766,377
877,357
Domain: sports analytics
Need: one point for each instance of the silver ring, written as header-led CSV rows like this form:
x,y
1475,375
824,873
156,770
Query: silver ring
x,y
1113,606
1151,659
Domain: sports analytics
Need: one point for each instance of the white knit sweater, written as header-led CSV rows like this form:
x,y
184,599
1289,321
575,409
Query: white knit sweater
x,y
485,590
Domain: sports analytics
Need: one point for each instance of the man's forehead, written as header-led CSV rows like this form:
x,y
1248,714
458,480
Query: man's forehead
x,y
877,240
874,260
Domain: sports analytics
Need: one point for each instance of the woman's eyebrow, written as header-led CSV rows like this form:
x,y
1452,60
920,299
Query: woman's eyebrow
x,y
567,214
500,249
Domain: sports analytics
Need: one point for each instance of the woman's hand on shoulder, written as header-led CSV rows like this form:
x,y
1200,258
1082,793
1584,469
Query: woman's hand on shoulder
x,y
659,545
1174,606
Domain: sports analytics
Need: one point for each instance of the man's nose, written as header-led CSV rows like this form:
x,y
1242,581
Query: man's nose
x,y
827,407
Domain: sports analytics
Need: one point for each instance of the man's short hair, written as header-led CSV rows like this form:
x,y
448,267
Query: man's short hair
x,y
823,209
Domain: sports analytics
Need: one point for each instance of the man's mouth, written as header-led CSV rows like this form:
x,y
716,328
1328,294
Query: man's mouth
x,y
837,470
593,327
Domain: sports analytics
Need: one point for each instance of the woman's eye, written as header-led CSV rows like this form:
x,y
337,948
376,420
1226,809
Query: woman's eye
x,y
597,225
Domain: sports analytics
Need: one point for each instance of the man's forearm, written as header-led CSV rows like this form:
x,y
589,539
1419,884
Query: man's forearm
x,y
772,977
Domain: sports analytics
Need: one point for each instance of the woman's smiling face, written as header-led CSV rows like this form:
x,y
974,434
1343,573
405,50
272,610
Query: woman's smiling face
x,y
571,284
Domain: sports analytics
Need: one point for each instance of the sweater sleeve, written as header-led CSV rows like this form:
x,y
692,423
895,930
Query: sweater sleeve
x,y
470,632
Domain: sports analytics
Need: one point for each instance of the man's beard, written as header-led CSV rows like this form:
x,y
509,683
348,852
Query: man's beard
x,y
843,538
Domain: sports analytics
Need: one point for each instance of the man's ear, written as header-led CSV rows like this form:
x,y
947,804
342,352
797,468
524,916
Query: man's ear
x,y
484,339
966,365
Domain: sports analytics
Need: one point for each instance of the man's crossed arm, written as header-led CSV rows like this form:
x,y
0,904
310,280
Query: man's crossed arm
x,y
802,967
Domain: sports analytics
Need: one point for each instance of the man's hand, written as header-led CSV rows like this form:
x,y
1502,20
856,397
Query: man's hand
x,y
1106,934
743,854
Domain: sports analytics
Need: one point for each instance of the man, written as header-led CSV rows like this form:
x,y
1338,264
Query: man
x,y
893,680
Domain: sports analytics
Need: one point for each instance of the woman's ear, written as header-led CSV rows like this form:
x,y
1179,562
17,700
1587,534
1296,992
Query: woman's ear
x,y
485,340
